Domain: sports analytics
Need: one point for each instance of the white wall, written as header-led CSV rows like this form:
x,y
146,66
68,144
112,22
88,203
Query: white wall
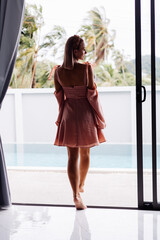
x,y
29,115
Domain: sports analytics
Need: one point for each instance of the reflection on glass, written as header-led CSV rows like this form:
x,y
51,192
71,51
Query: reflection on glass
x,y
6,223
148,223
33,218
81,229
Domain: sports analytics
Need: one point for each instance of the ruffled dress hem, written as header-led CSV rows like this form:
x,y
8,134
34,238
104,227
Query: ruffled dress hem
x,y
81,146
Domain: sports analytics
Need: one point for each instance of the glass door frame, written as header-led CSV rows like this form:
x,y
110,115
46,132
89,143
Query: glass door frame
x,y
154,205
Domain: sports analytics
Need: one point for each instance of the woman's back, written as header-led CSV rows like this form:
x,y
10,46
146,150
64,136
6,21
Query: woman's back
x,y
74,77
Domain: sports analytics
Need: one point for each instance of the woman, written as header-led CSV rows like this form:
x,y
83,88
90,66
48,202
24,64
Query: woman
x,y
80,118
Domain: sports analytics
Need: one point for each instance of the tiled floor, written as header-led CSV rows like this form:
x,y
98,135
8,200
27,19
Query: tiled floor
x,y
59,223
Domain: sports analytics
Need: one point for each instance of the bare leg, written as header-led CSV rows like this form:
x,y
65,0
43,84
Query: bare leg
x,y
83,166
73,174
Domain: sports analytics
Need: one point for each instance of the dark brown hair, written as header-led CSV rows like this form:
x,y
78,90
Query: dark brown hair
x,y
72,43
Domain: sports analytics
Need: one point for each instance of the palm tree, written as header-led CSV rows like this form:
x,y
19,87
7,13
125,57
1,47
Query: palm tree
x,y
97,36
104,75
118,58
30,47
56,40
53,40
88,33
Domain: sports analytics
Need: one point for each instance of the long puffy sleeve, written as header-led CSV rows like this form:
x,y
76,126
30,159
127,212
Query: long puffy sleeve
x,y
60,99
93,99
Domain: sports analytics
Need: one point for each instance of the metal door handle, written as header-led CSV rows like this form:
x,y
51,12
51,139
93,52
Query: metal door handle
x,y
144,96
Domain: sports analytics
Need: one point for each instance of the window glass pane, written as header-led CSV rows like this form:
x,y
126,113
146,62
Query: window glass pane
x,y
108,28
146,106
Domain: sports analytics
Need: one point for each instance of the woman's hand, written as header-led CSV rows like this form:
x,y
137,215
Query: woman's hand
x,y
52,72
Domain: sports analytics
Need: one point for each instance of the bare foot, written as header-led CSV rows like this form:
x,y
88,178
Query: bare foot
x,y
79,203
81,188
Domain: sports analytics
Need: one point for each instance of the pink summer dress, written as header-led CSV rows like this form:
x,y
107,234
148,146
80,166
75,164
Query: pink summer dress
x,y
80,119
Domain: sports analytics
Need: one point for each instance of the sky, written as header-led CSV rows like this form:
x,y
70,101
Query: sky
x,y
70,14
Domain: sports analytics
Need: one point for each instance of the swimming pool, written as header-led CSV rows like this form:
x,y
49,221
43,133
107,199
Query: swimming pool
x,y
48,155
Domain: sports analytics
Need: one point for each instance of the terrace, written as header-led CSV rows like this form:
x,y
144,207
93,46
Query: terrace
x,y
28,128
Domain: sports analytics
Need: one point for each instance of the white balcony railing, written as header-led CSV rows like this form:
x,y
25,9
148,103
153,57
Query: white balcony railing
x,y
29,115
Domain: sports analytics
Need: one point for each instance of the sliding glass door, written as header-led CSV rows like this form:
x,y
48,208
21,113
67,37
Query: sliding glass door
x,y
148,114
113,175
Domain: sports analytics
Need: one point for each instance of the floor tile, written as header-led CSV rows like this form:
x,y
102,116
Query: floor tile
x,y
65,223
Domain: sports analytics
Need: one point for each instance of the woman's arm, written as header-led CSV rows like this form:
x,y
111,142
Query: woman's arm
x,y
59,94
93,99
57,85
91,83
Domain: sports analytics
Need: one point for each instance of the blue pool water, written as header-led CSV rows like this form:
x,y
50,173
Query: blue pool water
x,y
48,155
